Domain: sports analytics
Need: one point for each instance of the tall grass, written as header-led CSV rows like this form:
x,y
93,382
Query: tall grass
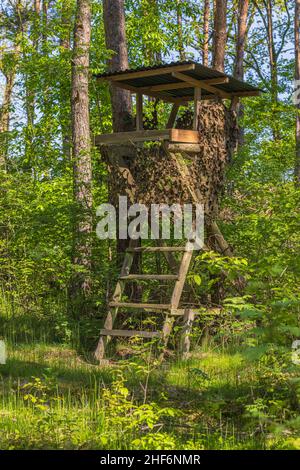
x,y
53,397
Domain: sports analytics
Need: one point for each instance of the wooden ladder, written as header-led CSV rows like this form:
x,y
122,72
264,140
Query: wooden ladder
x,y
171,309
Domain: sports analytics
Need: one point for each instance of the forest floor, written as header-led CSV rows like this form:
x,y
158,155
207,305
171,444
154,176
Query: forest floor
x,y
51,397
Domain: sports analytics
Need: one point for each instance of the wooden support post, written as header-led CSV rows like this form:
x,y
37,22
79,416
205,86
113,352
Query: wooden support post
x,y
188,319
197,104
172,117
139,111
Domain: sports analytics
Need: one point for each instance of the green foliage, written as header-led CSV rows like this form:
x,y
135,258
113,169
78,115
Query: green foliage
x,y
240,388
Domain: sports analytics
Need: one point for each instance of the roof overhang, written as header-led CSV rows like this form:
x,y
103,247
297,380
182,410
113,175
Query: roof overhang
x,y
176,82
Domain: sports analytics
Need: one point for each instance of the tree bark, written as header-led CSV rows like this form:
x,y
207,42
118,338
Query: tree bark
x,y
115,38
65,44
297,93
4,116
237,107
241,38
206,31
179,31
10,73
82,167
272,52
220,35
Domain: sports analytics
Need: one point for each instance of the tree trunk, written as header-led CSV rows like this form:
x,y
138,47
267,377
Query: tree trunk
x,y
297,93
241,38
65,44
81,148
206,31
220,35
179,31
4,117
115,38
29,88
237,107
272,52
45,21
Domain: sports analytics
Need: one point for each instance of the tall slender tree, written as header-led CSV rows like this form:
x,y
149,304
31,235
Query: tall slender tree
x,y
9,61
220,34
206,17
179,30
297,83
65,44
237,107
243,8
9,72
81,147
115,38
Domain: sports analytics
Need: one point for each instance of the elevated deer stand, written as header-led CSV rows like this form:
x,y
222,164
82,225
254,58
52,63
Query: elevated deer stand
x,y
178,84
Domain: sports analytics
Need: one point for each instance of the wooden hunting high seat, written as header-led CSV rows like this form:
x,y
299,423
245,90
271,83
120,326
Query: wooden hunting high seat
x,y
177,83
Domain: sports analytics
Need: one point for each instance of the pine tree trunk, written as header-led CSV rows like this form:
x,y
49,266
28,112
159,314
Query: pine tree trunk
x,y
81,148
237,107
65,44
220,35
206,31
115,38
241,38
179,31
297,78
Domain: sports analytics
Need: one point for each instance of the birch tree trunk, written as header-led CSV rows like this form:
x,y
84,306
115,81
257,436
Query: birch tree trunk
x,y
297,79
82,167
220,35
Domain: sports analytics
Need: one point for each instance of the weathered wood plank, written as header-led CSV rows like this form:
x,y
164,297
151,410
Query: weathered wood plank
x,y
140,305
129,333
149,277
149,73
201,84
173,135
154,249
132,136
181,85
154,94
184,266
184,136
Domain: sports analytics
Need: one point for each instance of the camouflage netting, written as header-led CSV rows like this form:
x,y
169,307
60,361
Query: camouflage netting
x,y
157,175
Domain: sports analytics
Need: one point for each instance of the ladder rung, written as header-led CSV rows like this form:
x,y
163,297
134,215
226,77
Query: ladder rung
x,y
153,249
138,305
143,334
156,277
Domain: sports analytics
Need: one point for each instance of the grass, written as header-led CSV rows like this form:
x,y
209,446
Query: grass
x,y
52,398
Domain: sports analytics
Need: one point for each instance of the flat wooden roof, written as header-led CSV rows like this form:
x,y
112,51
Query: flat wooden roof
x,y
176,82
